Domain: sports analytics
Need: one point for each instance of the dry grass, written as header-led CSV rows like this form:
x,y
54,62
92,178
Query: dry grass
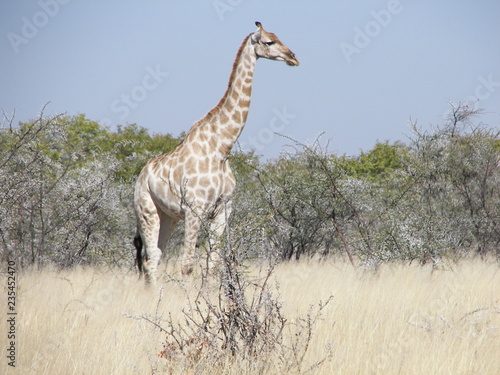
x,y
399,320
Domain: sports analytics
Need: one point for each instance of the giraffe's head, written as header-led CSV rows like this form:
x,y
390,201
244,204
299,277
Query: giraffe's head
x,y
268,46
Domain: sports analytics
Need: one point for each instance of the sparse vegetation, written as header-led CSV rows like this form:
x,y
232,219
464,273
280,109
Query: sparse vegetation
x,y
65,203
66,190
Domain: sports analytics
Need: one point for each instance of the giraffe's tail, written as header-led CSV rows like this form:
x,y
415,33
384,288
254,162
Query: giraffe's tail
x,y
138,247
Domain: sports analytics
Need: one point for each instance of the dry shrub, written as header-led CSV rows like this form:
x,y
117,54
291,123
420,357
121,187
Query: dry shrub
x,y
235,323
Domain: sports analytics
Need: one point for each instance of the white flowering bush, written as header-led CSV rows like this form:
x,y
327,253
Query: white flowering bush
x,y
59,201
436,197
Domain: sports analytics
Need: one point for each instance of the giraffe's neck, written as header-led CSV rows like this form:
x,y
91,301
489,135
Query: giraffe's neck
x,y
221,127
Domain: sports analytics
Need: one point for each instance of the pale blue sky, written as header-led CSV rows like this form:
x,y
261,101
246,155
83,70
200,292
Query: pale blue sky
x,y
366,66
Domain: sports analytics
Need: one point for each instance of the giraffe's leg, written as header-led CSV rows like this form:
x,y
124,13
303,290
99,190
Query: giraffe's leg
x,y
167,226
148,227
192,226
217,227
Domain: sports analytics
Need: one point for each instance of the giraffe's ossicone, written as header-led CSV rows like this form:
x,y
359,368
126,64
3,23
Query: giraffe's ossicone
x,y
194,182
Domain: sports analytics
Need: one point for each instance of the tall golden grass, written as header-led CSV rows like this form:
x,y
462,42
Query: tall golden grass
x,y
398,320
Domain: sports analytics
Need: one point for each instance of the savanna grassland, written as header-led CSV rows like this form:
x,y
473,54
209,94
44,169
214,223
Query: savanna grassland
x,y
400,319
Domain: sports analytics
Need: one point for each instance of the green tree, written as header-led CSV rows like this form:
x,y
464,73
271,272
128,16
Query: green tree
x,y
83,140
377,164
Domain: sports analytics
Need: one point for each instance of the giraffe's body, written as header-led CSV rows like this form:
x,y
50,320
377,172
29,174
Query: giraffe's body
x,y
194,182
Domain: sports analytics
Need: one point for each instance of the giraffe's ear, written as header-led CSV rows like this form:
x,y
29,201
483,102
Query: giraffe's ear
x,y
257,34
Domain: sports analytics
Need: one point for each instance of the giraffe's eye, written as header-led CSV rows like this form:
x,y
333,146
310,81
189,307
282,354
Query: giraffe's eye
x,y
269,43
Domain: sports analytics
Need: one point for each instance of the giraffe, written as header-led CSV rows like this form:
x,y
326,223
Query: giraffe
x,y
194,182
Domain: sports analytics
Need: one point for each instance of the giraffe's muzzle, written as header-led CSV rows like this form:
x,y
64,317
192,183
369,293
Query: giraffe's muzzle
x,y
292,60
